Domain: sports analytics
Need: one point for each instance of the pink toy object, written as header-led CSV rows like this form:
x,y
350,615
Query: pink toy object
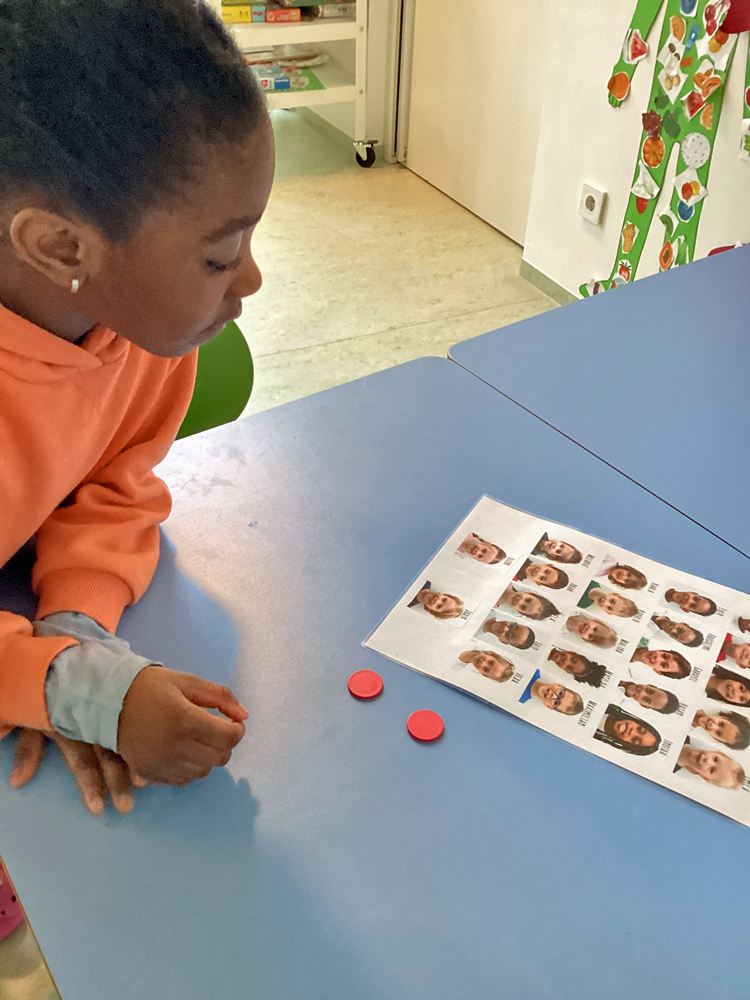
x,y
11,914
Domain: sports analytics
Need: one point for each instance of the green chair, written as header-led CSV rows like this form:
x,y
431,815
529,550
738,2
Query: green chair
x,y
223,382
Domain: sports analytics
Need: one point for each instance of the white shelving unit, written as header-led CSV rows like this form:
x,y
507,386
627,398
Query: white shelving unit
x,y
341,85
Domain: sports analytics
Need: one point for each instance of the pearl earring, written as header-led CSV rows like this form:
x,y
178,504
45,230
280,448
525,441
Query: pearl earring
x,y
75,285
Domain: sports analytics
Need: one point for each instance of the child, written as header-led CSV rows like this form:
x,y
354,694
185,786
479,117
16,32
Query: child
x,y
136,159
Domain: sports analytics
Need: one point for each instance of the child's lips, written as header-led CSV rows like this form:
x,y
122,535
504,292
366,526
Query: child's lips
x,y
221,323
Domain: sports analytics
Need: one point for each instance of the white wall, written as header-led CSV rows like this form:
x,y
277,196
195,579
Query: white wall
x,y
477,89
584,139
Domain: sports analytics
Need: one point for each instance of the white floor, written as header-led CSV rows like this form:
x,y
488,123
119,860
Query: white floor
x,y
364,269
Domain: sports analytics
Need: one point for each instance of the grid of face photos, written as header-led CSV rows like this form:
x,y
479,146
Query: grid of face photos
x,y
625,657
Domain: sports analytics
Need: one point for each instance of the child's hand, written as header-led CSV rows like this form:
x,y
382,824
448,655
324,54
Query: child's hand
x,y
166,735
98,772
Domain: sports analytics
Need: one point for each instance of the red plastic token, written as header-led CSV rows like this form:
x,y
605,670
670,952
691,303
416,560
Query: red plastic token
x,y
425,726
365,684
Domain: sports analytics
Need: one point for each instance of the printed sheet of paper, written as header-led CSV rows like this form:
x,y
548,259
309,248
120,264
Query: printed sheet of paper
x,y
627,658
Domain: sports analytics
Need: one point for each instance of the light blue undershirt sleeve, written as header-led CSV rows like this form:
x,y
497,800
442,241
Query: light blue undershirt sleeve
x,y
86,684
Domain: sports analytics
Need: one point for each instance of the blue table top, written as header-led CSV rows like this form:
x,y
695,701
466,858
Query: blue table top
x,y
336,859
653,378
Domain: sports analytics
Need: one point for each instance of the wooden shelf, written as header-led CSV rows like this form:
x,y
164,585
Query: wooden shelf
x,y
326,29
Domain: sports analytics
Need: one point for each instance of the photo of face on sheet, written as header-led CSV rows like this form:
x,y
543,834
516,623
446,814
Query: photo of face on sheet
x,y
479,549
441,606
735,651
640,664
679,602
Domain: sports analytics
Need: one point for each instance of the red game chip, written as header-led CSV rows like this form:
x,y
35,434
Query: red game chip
x,y
425,726
365,684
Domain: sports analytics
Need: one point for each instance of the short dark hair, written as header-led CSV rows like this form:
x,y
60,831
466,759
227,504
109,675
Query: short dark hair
x,y
606,735
673,703
683,662
697,641
562,580
529,641
743,725
711,608
105,105
595,672
548,608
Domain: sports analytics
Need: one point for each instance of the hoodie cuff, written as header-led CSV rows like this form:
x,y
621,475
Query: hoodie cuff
x,y
99,595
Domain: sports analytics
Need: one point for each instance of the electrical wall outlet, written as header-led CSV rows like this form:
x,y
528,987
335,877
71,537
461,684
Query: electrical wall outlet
x,y
592,204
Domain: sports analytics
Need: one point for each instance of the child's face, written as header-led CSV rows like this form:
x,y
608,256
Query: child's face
x,y
181,276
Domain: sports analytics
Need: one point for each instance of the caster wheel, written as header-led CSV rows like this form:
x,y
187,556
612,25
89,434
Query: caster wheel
x,y
368,159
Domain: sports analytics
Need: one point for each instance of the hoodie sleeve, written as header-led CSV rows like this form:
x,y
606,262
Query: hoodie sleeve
x,y
98,552
24,662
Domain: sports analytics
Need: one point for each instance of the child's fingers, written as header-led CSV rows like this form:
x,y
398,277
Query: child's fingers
x,y
138,781
209,695
116,778
213,731
84,765
27,756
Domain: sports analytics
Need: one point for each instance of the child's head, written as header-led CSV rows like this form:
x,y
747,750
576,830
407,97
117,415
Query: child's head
x,y
136,158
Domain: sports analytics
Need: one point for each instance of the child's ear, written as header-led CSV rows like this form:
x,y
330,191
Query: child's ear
x,y
59,248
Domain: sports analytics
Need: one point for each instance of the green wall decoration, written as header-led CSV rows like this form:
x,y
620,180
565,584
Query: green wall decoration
x,y
692,63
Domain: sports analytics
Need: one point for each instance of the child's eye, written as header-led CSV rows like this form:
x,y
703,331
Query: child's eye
x,y
216,267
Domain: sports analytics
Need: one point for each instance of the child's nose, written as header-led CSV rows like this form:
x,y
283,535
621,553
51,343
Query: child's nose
x,y
247,280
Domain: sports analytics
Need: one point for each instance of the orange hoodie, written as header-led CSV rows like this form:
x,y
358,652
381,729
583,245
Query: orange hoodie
x,y
81,429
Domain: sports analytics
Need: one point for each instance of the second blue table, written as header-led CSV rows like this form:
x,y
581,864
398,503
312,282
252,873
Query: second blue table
x,y
653,378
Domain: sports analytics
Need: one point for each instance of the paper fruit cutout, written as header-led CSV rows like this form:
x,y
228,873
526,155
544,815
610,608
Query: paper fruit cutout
x,y
651,123
678,27
689,188
745,141
696,150
693,101
705,79
653,151
629,236
694,55
713,15
653,146
645,187
681,251
669,220
692,36
666,257
718,48
672,78
707,117
674,253
634,48
671,123
619,85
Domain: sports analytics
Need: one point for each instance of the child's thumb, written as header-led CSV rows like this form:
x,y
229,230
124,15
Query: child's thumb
x,y
206,694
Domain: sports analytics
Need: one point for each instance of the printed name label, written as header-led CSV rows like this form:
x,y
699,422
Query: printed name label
x,y
586,714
